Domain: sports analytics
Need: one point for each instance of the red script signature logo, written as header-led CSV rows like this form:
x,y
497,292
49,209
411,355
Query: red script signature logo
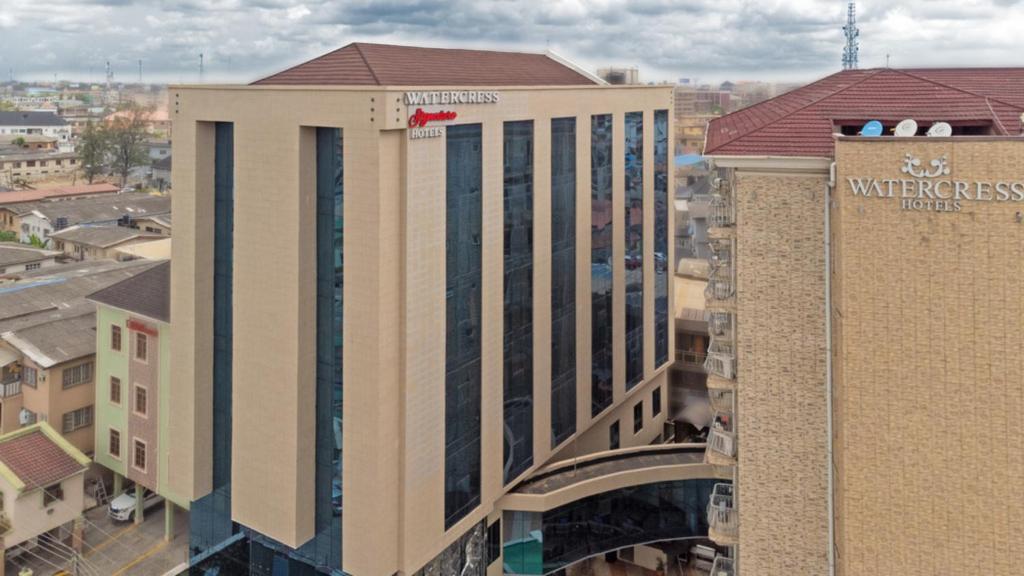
x,y
421,118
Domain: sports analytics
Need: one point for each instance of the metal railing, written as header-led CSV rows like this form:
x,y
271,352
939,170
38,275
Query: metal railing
x,y
723,567
721,400
10,388
720,284
721,437
722,515
720,325
720,212
721,359
691,358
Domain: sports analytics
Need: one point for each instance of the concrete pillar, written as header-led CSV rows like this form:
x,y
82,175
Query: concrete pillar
x,y
140,494
168,521
118,486
77,534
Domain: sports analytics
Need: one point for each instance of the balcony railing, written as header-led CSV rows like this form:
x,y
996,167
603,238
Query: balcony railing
x,y
722,436
723,567
10,388
691,359
720,284
720,214
720,325
721,359
721,400
723,518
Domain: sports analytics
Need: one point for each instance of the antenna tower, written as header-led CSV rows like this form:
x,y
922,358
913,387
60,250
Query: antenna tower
x,y
852,50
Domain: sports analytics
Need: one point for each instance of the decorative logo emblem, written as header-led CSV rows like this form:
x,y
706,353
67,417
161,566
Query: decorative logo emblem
x,y
912,166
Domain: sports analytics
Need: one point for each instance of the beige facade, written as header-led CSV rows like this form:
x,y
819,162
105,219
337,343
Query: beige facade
x,y
915,288
929,370
394,306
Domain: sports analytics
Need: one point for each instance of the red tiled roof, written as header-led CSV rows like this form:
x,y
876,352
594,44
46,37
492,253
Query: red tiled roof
x,y
36,459
801,122
62,192
362,64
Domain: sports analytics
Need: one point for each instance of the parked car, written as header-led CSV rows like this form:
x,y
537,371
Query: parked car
x,y
122,508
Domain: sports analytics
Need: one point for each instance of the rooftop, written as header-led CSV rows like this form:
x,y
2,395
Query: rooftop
x,y
363,64
36,457
19,118
801,123
96,209
102,236
18,196
57,341
147,293
12,254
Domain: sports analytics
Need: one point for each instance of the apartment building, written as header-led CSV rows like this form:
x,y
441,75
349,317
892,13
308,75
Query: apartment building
x,y
865,314
470,303
133,385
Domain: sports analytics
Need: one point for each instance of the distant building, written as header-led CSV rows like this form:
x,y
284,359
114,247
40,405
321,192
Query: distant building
x,y
38,123
98,242
41,218
620,75
42,491
161,173
133,383
20,258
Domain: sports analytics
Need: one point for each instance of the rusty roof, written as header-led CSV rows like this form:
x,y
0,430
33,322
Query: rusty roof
x,y
37,457
365,64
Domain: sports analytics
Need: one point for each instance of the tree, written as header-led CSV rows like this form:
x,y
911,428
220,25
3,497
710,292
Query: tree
x,y
94,150
38,242
126,134
19,141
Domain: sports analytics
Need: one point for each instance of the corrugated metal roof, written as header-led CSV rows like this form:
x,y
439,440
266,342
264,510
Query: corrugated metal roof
x,y
20,118
102,236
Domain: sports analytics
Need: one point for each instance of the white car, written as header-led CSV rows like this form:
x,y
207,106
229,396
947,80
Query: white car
x,y
122,508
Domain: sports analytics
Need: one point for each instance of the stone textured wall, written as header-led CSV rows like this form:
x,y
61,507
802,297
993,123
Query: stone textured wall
x,y
929,369
781,406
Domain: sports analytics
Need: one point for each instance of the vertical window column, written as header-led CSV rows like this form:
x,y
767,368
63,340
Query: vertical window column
x,y
601,262
661,204
634,248
563,279
463,230
518,289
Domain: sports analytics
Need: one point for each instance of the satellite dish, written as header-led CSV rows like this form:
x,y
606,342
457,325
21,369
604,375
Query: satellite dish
x,y
906,128
873,128
940,130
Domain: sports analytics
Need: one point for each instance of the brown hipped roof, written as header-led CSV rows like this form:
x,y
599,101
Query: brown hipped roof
x,y
801,122
147,293
36,457
362,64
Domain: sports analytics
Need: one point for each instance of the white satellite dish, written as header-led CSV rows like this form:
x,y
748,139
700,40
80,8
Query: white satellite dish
x,y
940,130
906,128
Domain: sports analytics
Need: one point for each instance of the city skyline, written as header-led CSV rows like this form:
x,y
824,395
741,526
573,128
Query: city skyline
x,y
731,40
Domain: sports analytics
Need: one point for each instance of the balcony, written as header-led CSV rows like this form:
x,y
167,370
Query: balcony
x,y
720,325
721,450
723,567
10,387
723,518
720,213
720,399
721,359
692,360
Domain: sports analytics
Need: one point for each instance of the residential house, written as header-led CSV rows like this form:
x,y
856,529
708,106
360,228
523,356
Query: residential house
x,y
160,224
11,222
133,383
42,490
41,218
37,123
19,258
98,242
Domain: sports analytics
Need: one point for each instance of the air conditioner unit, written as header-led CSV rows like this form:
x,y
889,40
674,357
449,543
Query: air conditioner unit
x,y
26,417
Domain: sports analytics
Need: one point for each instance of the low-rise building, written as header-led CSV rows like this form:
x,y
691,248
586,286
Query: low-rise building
x,y
132,395
19,258
42,490
160,224
28,165
42,218
98,242
37,123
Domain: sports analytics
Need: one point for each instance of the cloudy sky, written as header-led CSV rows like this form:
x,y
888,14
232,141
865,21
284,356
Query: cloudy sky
x,y
711,40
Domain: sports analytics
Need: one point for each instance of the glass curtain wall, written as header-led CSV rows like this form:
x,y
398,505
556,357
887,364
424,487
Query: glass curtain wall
x,y
563,279
601,262
661,207
634,248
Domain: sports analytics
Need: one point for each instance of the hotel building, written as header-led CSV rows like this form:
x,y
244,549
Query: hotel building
x,y
867,290
422,317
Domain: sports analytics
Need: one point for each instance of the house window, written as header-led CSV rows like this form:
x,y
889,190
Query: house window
x,y
115,338
52,493
115,390
77,419
28,376
613,436
114,444
33,266
81,374
141,407
141,343
139,456
638,417
494,542
656,402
